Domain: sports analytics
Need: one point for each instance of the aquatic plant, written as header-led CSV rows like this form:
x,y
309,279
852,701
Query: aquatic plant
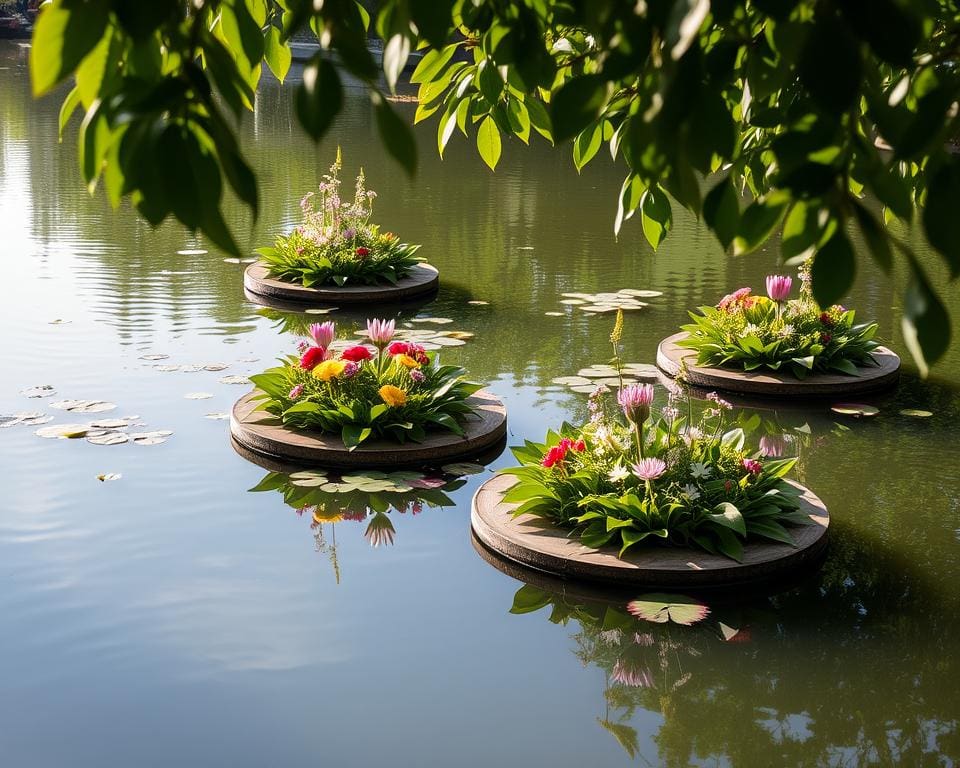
x,y
751,332
394,390
337,243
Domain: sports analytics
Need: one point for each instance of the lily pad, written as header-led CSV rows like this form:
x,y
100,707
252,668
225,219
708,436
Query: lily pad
x,y
83,406
573,302
642,294
554,314
217,416
60,321
308,479
63,431
41,390
198,395
155,357
661,608
151,438
435,320
167,368
596,373
570,381
478,303
216,367
32,421
107,477
319,311
113,423
108,437
234,380
192,252
857,410
585,389
447,341
9,421
916,412
231,260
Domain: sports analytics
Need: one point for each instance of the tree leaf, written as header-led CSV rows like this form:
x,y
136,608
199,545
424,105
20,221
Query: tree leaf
x,y
834,268
656,215
278,56
926,323
395,134
721,211
576,104
488,142
64,33
319,97
940,214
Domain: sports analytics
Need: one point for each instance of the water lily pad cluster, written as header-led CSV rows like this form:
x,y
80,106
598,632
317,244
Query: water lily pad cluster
x,y
588,379
24,418
106,432
428,338
627,299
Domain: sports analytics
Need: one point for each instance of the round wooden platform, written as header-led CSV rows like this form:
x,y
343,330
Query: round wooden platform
x,y
536,543
422,280
775,384
262,433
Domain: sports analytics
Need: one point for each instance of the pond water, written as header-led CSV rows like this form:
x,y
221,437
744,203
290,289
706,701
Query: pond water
x,y
172,617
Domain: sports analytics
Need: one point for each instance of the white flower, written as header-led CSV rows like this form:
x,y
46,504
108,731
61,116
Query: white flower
x,y
787,330
750,330
618,474
699,471
691,492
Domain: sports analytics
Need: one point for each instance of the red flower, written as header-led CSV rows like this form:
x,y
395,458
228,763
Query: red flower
x,y
361,251
356,354
312,357
399,348
825,338
554,456
826,320
752,466
580,446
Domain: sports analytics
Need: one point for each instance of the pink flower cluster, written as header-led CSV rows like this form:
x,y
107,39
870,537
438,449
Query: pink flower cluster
x,y
739,299
752,466
558,453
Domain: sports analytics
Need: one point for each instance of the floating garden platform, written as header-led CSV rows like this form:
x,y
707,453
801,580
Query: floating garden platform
x,y
538,544
259,432
769,383
422,280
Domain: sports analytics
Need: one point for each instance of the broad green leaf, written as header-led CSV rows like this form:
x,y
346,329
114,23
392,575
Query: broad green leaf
x,y
395,134
721,211
576,104
65,32
656,215
278,56
488,142
926,323
586,145
631,193
529,599
727,515
319,97
940,214
830,65
757,223
834,267
70,103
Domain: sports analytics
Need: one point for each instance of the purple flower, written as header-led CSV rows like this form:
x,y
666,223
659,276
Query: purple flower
x,y
752,466
323,334
417,375
635,399
349,233
381,332
302,346
350,369
296,392
649,469
774,446
778,287
631,674
722,405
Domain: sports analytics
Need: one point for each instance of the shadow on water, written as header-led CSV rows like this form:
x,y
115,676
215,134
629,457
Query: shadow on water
x,y
855,666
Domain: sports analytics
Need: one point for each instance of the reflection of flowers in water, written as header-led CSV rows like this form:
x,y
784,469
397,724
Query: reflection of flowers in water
x,y
380,530
368,497
627,672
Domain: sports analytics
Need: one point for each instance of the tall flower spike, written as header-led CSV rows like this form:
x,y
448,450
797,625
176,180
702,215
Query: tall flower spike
x,y
778,287
635,400
323,334
381,332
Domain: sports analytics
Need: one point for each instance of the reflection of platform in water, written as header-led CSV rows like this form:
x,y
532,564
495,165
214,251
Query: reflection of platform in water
x,y
537,544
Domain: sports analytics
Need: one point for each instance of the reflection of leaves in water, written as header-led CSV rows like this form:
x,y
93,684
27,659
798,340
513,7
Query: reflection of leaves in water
x,y
661,608
624,734
328,498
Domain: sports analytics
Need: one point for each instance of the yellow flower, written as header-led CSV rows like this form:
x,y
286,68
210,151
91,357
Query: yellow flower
x,y
329,369
392,396
406,361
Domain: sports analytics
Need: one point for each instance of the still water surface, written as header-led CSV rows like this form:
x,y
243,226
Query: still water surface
x,y
174,618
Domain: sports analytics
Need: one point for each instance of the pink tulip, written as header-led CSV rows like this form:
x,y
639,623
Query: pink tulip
x,y
649,469
635,399
381,332
778,287
323,334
